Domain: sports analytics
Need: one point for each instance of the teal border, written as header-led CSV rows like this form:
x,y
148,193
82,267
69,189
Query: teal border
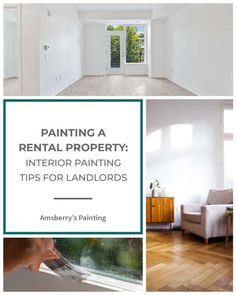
x,y
5,101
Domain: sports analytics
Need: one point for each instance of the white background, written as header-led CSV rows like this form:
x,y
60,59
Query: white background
x,y
119,201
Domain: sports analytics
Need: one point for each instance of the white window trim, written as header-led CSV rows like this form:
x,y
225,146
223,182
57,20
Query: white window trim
x,y
224,137
102,281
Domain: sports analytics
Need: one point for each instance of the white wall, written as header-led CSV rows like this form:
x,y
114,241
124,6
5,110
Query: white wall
x,y
95,49
189,172
62,63
30,28
158,32
200,48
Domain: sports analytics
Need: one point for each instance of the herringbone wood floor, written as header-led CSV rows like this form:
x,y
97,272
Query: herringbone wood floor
x,y
184,263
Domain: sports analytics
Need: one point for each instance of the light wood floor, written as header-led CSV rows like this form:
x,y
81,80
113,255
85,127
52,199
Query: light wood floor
x,y
10,87
123,85
183,263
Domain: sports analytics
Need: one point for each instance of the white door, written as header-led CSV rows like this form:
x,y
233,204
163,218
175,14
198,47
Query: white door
x,y
115,53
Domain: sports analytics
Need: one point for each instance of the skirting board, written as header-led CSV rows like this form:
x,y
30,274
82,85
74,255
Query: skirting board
x,y
187,87
63,87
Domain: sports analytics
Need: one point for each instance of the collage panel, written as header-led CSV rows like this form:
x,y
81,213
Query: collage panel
x,y
189,203
145,49
73,264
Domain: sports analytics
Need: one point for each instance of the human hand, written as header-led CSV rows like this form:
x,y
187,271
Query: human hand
x,y
31,252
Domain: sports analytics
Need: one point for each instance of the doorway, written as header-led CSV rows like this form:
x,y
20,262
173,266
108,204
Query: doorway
x,y
12,64
115,53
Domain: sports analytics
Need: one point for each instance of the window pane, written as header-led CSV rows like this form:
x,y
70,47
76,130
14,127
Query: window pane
x,y
115,28
119,258
135,44
115,51
228,121
228,163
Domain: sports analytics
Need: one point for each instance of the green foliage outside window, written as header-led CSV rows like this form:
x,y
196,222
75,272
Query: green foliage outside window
x,y
134,45
115,257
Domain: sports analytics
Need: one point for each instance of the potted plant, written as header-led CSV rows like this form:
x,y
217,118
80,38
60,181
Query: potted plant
x,y
155,188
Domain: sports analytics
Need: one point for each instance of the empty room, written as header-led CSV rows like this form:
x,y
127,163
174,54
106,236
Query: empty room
x,y
118,49
189,195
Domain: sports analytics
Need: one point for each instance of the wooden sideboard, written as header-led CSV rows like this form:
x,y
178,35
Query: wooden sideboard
x,y
160,209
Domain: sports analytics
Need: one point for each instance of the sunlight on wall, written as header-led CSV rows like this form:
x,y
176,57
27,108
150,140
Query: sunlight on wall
x,y
153,141
228,163
181,135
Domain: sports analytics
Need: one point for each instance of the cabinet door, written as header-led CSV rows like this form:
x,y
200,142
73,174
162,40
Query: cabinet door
x,y
157,210
168,209
148,209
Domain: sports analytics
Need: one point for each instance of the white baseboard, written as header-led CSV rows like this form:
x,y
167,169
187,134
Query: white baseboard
x,y
64,86
187,87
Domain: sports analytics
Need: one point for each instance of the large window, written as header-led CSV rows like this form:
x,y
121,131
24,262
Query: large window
x,y
135,44
227,144
112,257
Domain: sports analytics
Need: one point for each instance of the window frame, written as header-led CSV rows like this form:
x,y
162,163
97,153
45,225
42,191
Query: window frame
x,y
112,284
124,45
224,137
145,45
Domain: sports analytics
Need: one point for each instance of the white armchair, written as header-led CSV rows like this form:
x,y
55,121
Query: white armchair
x,y
209,220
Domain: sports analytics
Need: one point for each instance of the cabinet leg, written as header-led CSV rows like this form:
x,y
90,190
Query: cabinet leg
x,y
183,231
206,241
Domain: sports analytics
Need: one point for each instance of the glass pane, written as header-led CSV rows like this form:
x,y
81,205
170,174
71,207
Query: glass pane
x,y
228,163
115,28
135,44
115,51
113,257
228,121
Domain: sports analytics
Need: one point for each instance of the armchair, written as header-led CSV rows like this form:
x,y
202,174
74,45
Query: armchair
x,y
207,220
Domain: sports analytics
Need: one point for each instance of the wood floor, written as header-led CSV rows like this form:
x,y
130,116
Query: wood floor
x,y
183,263
10,87
123,85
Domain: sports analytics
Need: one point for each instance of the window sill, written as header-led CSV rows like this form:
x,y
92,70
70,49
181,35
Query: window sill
x,y
102,281
135,63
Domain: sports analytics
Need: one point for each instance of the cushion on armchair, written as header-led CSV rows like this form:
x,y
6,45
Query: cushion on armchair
x,y
220,197
194,217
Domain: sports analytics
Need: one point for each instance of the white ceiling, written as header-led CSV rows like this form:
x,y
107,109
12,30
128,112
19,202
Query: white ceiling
x,y
156,10
110,7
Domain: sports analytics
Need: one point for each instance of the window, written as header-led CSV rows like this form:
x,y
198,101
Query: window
x,y
115,51
135,44
113,257
115,28
134,41
227,145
